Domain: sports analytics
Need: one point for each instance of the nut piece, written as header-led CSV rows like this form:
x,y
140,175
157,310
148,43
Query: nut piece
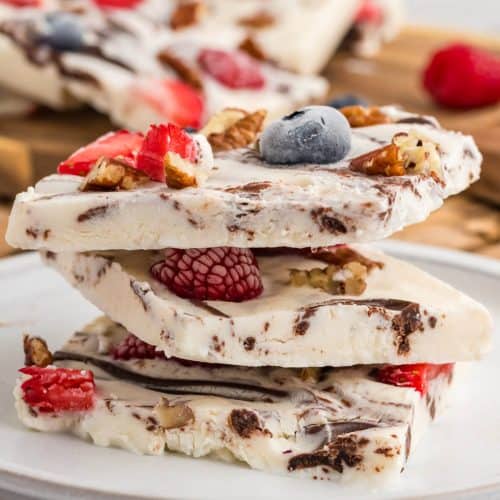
x,y
233,128
36,351
112,175
261,19
349,279
409,153
310,374
252,48
361,116
173,417
185,72
341,255
179,173
187,13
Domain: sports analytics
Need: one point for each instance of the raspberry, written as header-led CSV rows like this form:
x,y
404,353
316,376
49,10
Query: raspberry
x,y
416,376
132,347
462,76
58,389
233,69
118,4
121,143
173,100
370,13
222,273
160,140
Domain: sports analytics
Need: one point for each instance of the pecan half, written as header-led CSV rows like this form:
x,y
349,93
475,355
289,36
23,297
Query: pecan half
x,y
187,13
383,161
179,173
36,351
112,175
252,48
261,19
233,128
184,71
173,416
361,116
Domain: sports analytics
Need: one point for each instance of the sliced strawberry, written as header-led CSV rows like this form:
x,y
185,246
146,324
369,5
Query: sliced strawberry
x,y
370,13
58,389
23,3
122,143
174,101
118,4
160,140
417,375
236,70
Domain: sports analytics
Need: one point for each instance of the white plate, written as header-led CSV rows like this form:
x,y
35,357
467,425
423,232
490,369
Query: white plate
x,y
459,457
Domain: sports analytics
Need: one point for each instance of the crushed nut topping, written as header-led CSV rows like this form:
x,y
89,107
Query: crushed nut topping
x,y
36,351
187,13
253,49
361,116
407,154
261,19
185,72
179,173
349,279
173,416
341,255
233,128
112,175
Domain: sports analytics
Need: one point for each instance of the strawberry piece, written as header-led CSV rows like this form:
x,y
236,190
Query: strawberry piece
x,y
417,375
23,3
118,4
58,389
222,273
236,70
160,140
132,347
174,101
462,76
122,143
370,13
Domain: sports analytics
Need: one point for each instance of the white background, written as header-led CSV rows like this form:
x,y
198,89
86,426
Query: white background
x,y
478,15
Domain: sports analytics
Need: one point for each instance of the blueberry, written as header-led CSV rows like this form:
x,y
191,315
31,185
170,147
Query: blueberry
x,y
347,100
62,31
316,134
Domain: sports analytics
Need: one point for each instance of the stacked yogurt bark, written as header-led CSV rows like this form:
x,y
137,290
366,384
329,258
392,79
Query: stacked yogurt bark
x,y
246,316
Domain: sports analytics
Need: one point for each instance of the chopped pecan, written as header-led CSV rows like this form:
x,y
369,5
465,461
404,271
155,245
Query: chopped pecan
x,y
173,416
310,374
409,153
361,116
341,255
187,13
36,351
233,128
185,72
112,175
260,19
252,48
179,173
349,279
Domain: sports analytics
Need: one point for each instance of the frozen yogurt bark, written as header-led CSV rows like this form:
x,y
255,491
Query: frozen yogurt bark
x,y
348,425
358,186
370,309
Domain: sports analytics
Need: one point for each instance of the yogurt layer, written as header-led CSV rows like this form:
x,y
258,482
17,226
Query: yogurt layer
x,y
403,316
249,203
335,424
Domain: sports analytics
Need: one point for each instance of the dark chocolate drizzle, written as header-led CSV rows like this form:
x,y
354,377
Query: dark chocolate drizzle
x,y
219,388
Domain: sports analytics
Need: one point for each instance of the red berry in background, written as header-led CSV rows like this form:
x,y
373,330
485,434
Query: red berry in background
x,y
462,76
417,375
236,70
23,3
160,140
174,101
221,273
111,145
58,389
117,4
132,347
370,13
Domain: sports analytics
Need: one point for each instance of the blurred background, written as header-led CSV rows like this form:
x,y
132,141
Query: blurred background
x,y
380,56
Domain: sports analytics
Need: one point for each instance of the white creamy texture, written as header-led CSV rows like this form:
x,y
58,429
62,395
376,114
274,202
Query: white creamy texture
x,y
115,89
272,419
288,325
248,203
